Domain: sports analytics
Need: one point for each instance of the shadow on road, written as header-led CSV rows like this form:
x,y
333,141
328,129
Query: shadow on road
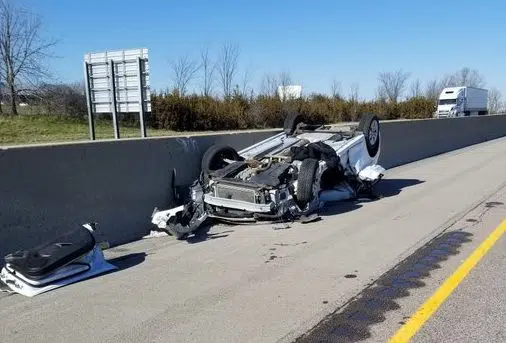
x,y
339,207
385,188
203,235
128,261
392,187
351,322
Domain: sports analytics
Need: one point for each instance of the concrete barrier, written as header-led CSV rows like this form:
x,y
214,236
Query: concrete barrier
x,y
408,141
46,189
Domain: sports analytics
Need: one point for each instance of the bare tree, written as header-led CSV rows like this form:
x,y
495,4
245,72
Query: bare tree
x,y
468,77
68,99
184,71
494,101
208,72
269,85
416,89
1,93
381,94
392,84
448,81
2,85
227,67
22,49
432,89
285,79
245,81
335,88
354,90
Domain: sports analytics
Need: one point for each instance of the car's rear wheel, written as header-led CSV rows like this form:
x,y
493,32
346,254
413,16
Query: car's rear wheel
x,y
306,181
370,127
291,122
214,158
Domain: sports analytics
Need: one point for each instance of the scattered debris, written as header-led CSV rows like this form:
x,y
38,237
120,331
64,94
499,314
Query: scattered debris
x,y
156,234
350,276
284,226
69,258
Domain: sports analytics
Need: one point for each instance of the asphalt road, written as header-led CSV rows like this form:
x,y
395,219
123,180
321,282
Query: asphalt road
x,y
274,283
476,311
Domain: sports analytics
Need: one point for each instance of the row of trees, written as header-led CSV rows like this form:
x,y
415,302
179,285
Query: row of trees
x,y
194,112
394,85
23,73
214,77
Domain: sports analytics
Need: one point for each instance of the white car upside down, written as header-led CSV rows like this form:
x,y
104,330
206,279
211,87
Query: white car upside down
x,y
288,176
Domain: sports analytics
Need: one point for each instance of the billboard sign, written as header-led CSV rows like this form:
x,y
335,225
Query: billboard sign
x,y
117,82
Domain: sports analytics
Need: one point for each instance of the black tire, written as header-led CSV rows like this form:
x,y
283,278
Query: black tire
x,y
370,127
306,180
177,232
291,122
213,158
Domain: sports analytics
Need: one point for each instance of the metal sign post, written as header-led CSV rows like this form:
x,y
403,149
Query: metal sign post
x,y
141,87
117,82
114,104
91,122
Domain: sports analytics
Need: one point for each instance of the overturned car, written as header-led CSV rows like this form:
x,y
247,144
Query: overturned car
x,y
288,176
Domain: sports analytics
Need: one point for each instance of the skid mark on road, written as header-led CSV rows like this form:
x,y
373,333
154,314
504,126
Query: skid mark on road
x,y
427,309
351,323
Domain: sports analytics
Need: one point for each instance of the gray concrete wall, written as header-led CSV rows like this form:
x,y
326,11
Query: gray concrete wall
x,y
407,141
46,189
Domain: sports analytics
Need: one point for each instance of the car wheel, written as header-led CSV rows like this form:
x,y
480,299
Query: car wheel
x,y
214,158
306,180
291,122
370,127
176,231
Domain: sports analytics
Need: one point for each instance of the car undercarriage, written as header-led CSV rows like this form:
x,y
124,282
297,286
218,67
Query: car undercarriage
x,y
288,176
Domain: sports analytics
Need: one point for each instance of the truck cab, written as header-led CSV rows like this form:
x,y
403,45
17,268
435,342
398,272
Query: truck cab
x,y
461,102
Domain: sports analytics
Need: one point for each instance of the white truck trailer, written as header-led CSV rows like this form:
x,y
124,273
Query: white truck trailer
x,y
462,102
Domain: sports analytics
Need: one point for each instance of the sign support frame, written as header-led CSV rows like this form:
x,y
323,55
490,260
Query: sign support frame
x,y
114,102
117,82
91,121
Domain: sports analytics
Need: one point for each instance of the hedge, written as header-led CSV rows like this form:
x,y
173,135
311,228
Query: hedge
x,y
195,113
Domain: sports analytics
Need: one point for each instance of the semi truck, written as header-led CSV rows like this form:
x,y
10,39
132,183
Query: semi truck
x,y
462,102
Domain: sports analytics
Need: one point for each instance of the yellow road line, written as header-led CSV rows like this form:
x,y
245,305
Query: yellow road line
x,y
424,312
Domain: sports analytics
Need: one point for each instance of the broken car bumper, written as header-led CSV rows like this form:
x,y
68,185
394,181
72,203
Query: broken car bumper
x,y
239,205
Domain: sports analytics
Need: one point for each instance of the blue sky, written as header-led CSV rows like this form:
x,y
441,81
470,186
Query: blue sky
x,y
314,41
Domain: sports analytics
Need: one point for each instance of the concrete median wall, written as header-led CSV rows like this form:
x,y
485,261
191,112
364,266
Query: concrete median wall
x,y
47,189
408,141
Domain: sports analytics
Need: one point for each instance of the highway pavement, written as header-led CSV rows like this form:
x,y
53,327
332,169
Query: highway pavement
x,y
476,311
359,274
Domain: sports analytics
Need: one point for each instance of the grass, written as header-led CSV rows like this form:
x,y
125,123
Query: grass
x,y
30,129
27,129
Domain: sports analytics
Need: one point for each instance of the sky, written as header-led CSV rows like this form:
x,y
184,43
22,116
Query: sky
x,y
314,41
